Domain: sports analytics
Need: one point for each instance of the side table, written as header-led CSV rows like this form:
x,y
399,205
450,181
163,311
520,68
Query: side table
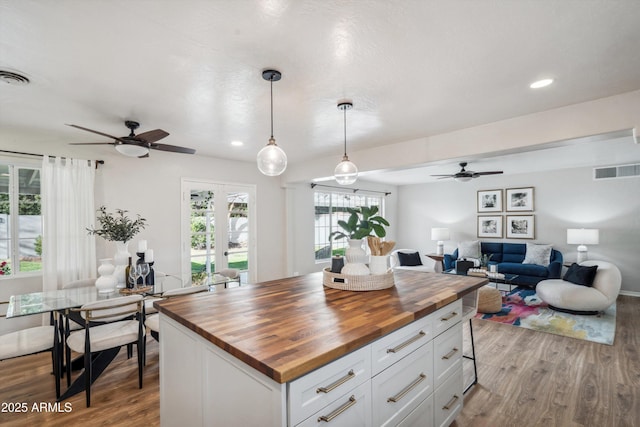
x,y
439,267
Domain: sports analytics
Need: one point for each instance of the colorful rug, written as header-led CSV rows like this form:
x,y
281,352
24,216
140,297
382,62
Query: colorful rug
x,y
522,307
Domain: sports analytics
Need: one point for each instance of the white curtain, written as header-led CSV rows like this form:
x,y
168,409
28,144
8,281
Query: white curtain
x,y
69,252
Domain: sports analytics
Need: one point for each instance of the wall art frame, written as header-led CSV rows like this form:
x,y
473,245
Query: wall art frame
x,y
490,226
520,227
519,199
490,200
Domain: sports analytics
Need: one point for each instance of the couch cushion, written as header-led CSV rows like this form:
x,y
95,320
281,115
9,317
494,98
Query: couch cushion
x,y
537,254
581,275
523,269
494,249
409,259
513,252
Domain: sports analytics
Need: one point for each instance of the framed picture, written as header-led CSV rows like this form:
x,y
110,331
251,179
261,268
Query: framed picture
x,y
519,199
490,226
520,227
490,201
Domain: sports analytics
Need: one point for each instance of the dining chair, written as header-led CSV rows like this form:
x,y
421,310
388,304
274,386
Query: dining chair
x,y
37,339
153,322
108,324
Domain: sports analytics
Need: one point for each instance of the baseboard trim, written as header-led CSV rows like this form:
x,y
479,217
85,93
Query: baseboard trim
x,y
630,293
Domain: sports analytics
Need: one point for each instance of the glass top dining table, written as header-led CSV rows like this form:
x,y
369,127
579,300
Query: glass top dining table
x,y
58,300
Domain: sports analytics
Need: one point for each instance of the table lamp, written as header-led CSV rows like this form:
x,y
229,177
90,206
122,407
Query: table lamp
x,y
582,237
440,234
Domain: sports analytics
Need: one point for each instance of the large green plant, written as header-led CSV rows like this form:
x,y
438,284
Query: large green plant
x,y
363,221
117,227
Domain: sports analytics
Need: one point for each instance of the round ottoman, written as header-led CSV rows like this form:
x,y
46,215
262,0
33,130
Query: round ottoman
x,y
489,300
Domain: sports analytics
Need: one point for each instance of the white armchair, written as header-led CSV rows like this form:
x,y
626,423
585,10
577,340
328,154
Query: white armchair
x,y
395,263
566,296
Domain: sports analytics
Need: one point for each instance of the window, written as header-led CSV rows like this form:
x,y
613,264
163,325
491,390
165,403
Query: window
x,y
331,207
20,220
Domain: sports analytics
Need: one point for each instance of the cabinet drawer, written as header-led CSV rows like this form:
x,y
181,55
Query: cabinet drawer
x,y
353,409
317,389
392,347
447,353
446,317
399,389
447,400
422,416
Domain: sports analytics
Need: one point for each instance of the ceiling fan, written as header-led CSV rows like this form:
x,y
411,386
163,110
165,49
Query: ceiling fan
x,y
465,175
136,145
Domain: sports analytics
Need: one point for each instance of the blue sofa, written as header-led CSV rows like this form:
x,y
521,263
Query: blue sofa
x,y
509,257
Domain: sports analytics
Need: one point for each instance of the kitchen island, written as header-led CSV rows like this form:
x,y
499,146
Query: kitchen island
x,y
293,352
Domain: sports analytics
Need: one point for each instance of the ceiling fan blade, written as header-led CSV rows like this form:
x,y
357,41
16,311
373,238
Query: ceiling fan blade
x,y
96,132
173,148
93,143
445,176
152,135
488,173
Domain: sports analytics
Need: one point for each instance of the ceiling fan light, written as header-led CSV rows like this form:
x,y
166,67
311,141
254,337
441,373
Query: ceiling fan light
x,y
132,150
346,172
462,178
272,160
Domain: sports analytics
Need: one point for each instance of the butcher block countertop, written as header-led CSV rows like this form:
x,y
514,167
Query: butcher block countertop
x,y
288,327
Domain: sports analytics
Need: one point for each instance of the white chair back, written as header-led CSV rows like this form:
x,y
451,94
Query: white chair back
x,y
186,291
83,283
111,310
608,279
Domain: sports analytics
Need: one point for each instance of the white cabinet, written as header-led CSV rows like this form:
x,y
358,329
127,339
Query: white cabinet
x,y
410,377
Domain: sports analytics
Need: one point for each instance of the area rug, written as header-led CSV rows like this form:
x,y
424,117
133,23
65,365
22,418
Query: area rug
x,y
522,307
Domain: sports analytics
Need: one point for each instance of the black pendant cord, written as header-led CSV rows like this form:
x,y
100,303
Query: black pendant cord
x,y
271,80
345,131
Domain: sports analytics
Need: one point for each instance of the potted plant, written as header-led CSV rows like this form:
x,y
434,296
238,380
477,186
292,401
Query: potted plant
x,y
118,227
363,221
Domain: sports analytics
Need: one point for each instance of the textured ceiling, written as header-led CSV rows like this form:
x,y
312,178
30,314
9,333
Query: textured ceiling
x,y
193,68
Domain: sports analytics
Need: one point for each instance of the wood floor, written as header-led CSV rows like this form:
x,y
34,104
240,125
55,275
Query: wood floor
x,y
526,378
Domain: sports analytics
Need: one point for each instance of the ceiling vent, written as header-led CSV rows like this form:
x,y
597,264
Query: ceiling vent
x,y
611,172
13,78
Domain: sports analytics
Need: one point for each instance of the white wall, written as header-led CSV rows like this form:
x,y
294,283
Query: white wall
x,y
151,187
567,198
301,256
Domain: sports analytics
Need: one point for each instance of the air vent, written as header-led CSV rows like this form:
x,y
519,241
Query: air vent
x,y
611,172
13,78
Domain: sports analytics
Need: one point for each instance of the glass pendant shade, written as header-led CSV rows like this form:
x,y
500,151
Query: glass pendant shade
x,y
132,150
272,160
346,172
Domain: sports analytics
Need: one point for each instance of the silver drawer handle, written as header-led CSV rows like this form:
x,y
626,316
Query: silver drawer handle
x,y
337,383
451,353
450,403
406,343
407,389
327,418
449,316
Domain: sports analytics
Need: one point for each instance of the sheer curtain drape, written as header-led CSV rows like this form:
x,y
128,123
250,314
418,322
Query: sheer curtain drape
x,y
69,252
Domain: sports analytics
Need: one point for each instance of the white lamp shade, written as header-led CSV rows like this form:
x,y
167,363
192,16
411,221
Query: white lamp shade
x,y
272,160
346,172
439,234
583,236
132,150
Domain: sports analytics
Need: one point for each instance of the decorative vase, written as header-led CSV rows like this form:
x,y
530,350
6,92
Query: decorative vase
x,y
106,281
121,260
379,264
356,259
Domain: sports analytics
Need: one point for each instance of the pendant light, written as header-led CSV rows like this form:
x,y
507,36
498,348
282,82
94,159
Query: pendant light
x,y
346,172
272,160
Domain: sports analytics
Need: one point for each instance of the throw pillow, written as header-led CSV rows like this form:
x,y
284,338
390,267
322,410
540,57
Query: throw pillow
x,y
470,249
409,259
581,275
537,254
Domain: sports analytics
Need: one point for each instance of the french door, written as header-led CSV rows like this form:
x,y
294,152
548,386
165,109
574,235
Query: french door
x,y
218,229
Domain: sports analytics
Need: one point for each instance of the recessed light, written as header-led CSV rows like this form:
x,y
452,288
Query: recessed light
x,y
237,143
541,83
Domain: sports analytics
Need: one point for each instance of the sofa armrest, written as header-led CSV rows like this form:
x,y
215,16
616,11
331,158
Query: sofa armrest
x,y
555,270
